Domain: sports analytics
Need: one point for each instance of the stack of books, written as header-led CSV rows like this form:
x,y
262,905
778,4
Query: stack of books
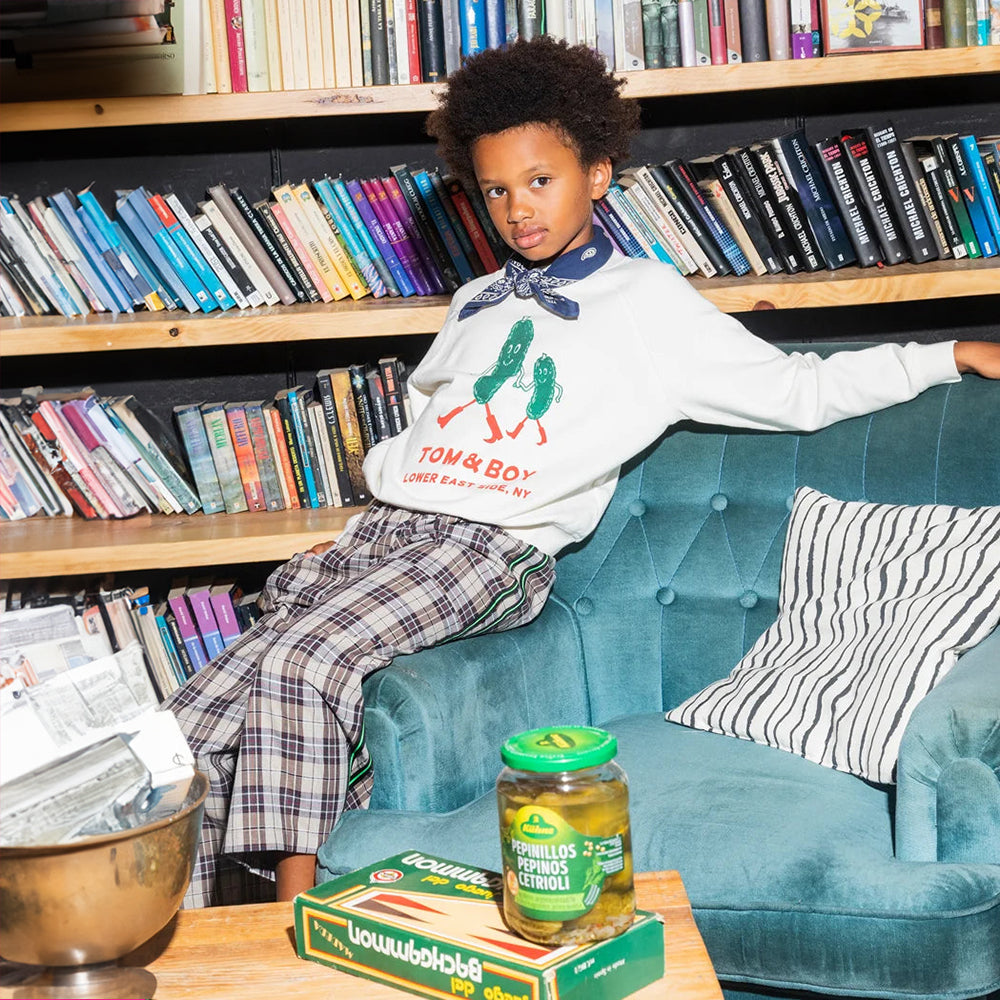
x,y
410,232
861,197
104,457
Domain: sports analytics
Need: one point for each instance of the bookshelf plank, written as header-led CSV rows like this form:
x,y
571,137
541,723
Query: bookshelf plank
x,y
68,545
32,116
40,335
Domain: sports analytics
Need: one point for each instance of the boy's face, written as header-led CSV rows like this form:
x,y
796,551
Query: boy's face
x,y
539,196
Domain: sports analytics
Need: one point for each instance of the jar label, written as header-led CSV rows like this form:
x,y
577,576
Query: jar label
x,y
552,871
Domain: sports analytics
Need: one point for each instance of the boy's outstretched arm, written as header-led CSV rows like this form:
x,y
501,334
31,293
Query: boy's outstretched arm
x,y
980,357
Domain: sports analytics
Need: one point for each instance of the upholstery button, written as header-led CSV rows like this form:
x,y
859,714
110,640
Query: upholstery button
x,y
720,501
637,508
584,606
749,599
665,596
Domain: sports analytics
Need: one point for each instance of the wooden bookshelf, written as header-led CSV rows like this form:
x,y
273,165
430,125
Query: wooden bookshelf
x,y
41,335
34,116
65,546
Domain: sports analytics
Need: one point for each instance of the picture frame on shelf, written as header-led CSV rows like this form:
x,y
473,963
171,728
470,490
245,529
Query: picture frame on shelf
x,y
855,26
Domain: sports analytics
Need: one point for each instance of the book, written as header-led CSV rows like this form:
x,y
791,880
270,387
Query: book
x,y
246,460
186,627
400,207
937,224
832,160
871,189
936,146
430,24
364,264
294,398
903,193
439,217
241,287
195,441
632,219
332,239
393,393
403,248
470,220
350,425
324,464
983,189
224,457
666,223
798,162
178,666
376,396
472,27
266,466
305,256
305,275
778,20
363,234
177,640
362,404
933,178
701,245
462,234
338,454
715,194
224,201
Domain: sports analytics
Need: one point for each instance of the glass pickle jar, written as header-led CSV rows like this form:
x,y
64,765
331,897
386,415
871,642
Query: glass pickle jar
x,y
564,836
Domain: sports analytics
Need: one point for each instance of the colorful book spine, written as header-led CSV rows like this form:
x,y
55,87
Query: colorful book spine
x,y
305,257
404,250
297,411
619,232
329,241
418,209
317,249
363,260
974,162
292,445
204,618
288,252
401,207
222,597
343,196
282,458
224,456
195,440
463,206
380,238
266,466
188,630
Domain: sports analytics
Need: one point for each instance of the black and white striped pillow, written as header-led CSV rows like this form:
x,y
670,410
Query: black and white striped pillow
x,y
877,601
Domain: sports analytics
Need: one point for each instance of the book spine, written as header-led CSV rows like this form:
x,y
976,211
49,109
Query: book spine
x,y
246,461
195,441
430,24
379,237
220,46
225,616
702,246
946,216
871,189
239,250
464,239
224,456
327,486
405,252
365,265
226,205
376,395
362,404
902,192
858,224
339,251
973,204
351,431
379,42
180,647
236,45
439,217
298,400
472,26
399,206
738,198
778,19
933,26
956,198
621,234
761,200
633,220
389,370
264,237
291,441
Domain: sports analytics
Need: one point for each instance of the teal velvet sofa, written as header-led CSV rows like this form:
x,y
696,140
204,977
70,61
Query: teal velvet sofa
x,y
803,880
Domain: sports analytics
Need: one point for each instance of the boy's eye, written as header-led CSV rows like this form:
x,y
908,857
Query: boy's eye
x,y
540,181
494,192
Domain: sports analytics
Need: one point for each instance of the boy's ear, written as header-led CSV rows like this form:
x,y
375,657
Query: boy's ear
x,y
600,178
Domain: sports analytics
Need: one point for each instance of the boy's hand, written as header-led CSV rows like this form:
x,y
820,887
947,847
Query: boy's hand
x,y
981,357
320,547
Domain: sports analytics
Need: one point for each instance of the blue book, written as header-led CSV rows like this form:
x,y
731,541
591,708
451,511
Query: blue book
x,y
139,200
344,197
153,250
362,260
496,23
378,235
974,158
632,218
166,637
107,285
302,440
970,193
206,275
143,265
472,26
105,249
441,220
194,438
618,230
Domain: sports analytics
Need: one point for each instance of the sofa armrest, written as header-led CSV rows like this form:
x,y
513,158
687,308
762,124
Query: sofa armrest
x,y
948,776
435,720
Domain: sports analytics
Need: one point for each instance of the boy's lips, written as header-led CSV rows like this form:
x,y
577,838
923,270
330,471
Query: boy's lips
x,y
528,238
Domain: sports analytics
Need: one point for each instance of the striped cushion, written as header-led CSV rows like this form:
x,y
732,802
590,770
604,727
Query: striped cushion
x,y
877,602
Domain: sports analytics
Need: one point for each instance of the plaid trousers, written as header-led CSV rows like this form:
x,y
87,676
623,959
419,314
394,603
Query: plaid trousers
x,y
276,720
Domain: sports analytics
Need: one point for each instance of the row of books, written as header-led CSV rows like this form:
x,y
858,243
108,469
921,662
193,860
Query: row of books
x,y
179,629
410,232
862,197
105,457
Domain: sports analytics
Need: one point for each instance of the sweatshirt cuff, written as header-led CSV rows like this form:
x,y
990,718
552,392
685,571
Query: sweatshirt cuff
x,y
933,364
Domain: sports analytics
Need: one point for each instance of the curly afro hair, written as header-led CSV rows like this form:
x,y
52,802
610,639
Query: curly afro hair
x,y
541,80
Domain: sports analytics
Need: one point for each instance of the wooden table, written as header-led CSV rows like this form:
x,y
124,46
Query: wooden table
x,y
248,953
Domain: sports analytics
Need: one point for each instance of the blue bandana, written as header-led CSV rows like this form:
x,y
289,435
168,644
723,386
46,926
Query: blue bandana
x,y
540,283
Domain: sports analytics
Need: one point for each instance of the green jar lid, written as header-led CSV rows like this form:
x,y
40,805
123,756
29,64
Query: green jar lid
x,y
559,748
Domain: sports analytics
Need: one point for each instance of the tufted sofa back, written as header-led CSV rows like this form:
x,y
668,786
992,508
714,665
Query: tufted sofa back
x,y
686,561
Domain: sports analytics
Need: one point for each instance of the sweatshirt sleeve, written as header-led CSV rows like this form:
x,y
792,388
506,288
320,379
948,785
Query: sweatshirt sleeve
x,y
715,371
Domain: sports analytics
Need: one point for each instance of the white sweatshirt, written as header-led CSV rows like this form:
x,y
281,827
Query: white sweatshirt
x,y
570,400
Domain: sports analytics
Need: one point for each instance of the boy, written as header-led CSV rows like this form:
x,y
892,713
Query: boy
x,y
510,457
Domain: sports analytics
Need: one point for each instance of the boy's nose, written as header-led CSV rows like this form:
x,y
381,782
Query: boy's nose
x,y
518,209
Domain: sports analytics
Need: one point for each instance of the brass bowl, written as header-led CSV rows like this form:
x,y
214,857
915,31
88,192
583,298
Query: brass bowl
x,y
98,898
